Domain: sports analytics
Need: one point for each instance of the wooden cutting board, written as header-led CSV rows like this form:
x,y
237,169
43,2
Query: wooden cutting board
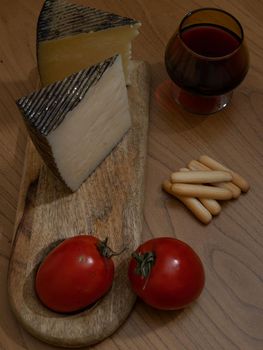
x,y
109,203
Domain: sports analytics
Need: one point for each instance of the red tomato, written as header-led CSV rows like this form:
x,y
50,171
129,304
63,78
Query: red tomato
x,y
166,273
75,274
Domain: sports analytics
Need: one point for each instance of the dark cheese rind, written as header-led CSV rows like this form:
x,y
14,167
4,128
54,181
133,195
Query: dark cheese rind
x,y
46,109
59,19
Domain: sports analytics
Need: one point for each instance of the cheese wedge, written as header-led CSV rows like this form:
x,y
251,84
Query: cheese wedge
x,y
76,122
72,37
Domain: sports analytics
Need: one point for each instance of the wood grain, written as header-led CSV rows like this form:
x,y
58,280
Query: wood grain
x,y
109,204
228,315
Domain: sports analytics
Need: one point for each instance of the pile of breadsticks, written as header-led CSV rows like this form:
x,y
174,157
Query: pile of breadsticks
x,y
202,184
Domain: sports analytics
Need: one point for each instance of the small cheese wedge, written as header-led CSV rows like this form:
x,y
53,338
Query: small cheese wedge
x,y
76,122
72,37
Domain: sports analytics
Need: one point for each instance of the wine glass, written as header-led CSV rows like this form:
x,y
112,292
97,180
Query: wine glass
x,y
206,59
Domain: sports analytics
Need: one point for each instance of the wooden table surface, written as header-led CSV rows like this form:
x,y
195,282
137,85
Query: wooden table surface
x,y
228,314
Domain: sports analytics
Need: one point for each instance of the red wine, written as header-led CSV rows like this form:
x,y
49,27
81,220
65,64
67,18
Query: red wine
x,y
208,60
210,41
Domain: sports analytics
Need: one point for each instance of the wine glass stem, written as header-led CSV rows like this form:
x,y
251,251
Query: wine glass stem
x,y
200,104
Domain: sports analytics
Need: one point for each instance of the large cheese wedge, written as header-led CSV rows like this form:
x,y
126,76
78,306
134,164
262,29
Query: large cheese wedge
x,y
76,122
72,37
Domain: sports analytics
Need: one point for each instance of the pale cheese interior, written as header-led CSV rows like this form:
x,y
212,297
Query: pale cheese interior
x,y
92,129
62,57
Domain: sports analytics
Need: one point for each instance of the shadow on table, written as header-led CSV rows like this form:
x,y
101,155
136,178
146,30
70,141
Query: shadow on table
x,y
146,321
165,107
13,137
12,149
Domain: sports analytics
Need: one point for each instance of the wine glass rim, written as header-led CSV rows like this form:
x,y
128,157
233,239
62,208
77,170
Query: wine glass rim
x,y
216,58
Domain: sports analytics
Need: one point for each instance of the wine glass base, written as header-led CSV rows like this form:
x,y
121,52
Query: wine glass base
x,y
197,104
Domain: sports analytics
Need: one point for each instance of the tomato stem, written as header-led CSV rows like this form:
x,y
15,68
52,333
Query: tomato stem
x,y
145,262
106,251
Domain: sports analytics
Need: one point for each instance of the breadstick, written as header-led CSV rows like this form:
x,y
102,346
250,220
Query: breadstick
x,y
236,191
193,204
195,165
210,204
237,179
184,169
200,177
201,191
